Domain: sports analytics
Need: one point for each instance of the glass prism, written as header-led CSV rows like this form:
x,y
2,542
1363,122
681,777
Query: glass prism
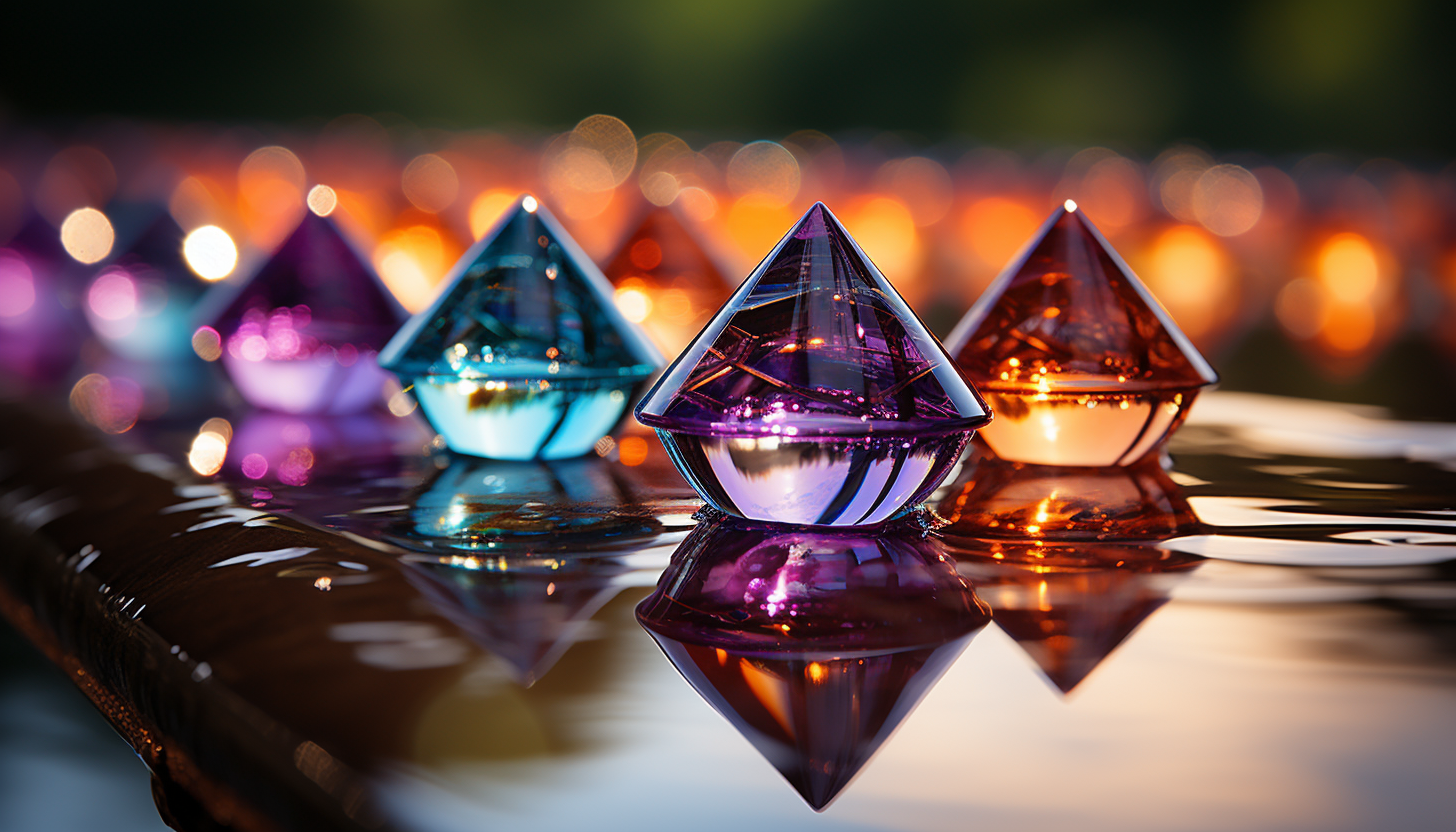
x,y
815,395
815,645
141,304
301,335
1078,360
666,281
523,355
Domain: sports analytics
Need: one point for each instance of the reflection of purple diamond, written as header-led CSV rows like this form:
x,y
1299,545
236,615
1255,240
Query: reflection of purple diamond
x,y
815,395
814,645
301,335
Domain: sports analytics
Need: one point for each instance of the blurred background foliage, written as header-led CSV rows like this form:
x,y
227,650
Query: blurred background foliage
x,y
1370,77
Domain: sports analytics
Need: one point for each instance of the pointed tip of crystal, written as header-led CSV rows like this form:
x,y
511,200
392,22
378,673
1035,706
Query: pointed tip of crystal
x,y
818,343
1071,305
525,302
815,222
316,267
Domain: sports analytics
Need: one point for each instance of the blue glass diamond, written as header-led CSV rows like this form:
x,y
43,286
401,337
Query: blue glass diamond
x,y
523,355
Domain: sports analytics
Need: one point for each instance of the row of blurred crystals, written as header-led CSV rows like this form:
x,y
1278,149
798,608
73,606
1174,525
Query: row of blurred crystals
x,y
815,395
1347,256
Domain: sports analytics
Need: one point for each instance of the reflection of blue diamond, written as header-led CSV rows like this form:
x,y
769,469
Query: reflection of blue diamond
x,y
523,355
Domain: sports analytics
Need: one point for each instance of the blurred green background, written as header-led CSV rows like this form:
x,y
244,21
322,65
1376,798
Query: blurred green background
x,y
1368,77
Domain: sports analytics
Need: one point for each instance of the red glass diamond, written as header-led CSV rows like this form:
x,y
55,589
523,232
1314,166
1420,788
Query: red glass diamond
x,y
1079,362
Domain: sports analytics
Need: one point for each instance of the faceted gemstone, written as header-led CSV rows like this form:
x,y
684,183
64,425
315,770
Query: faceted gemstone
x,y
815,645
524,355
528,618
1078,360
301,335
1068,557
141,304
40,336
665,280
815,395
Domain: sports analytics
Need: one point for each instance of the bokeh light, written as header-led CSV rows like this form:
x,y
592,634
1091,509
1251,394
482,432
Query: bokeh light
x,y
766,170
487,209
1227,200
17,286
207,343
322,200
430,183
885,228
271,182
87,235
609,139
995,228
1194,278
111,404
210,252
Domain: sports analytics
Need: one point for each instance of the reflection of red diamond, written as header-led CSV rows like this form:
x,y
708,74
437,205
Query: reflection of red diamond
x,y
1070,619
815,646
1081,364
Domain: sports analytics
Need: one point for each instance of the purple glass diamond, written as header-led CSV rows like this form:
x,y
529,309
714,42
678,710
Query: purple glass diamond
x,y
301,335
815,395
814,645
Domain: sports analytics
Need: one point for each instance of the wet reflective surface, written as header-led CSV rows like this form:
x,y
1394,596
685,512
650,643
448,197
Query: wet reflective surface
x,y
395,636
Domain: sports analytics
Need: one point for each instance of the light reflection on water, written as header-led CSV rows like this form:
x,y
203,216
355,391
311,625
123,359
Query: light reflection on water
x,y
1311,688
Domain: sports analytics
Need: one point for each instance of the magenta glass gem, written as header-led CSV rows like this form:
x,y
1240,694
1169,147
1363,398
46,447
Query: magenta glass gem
x,y
302,334
815,396
815,645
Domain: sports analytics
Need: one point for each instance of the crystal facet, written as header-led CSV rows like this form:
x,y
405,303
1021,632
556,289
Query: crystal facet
x,y
1068,557
1079,361
814,645
815,395
665,280
301,335
141,304
523,355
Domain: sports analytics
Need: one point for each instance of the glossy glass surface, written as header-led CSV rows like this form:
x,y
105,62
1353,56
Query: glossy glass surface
x,y
815,481
404,626
301,335
1086,366
816,342
815,395
524,354
814,645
